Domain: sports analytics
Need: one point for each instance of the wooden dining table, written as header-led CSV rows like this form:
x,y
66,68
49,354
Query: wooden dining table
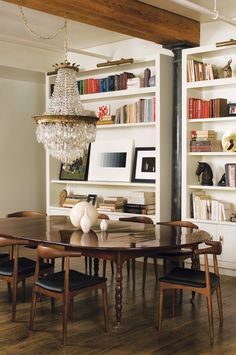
x,y
122,241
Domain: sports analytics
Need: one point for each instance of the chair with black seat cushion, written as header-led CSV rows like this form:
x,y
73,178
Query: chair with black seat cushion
x,y
17,269
202,282
64,285
174,255
137,219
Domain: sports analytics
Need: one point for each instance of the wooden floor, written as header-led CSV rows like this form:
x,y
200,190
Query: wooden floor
x,y
186,333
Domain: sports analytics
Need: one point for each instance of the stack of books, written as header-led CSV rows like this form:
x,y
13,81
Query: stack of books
x,y
202,206
198,108
72,199
140,202
112,204
197,70
230,174
205,141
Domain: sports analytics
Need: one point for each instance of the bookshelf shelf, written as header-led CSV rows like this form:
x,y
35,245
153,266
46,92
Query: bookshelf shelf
x,y
216,201
143,134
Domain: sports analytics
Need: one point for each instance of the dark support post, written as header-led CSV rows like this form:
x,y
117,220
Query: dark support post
x,y
177,131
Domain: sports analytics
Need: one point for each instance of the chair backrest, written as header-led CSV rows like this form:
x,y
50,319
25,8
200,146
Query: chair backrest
x,y
103,216
4,241
214,249
137,219
53,252
26,214
186,224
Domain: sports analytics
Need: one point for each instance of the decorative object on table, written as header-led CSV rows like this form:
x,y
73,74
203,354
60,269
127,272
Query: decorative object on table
x,y
229,140
227,69
92,198
75,237
103,225
64,129
103,236
222,181
63,196
89,239
78,170
111,160
85,222
231,109
77,213
207,174
144,167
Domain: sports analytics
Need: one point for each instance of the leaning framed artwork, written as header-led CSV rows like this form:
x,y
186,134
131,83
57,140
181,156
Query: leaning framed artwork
x,y
78,170
111,160
144,167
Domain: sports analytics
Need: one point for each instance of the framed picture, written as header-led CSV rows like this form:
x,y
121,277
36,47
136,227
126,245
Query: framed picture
x,y
231,109
144,167
92,199
111,160
78,170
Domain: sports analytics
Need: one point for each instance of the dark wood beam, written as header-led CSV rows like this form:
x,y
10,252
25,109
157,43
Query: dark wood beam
x,y
129,17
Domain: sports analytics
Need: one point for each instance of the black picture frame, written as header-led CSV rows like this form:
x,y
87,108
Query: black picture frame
x,y
144,166
92,199
231,109
77,171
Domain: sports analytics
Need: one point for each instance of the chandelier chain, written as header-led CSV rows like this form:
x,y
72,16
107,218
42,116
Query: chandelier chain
x,y
215,11
36,34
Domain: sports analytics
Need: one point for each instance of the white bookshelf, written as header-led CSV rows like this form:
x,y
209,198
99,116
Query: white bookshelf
x,y
210,89
144,134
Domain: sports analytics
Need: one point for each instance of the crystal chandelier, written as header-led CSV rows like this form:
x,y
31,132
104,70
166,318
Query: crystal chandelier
x,y
64,129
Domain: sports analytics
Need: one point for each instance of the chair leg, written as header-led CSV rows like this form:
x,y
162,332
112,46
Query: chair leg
x,y
128,267
86,264
133,272
23,290
33,308
155,268
161,301
14,292
112,267
52,305
9,291
144,272
105,308
90,266
219,301
65,319
104,266
62,263
210,316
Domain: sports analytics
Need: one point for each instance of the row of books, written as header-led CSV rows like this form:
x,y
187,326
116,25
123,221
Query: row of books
x,y
197,71
112,204
204,141
141,111
72,199
140,208
109,83
230,174
202,206
198,108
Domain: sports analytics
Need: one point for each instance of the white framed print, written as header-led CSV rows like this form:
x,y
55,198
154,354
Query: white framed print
x,y
144,167
111,160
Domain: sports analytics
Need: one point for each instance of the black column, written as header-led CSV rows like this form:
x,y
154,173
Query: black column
x,y
177,131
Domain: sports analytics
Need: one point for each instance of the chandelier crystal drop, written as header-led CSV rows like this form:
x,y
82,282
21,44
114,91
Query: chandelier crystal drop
x,y
64,130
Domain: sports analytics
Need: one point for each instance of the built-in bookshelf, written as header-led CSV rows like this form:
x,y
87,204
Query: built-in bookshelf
x,y
207,97
154,131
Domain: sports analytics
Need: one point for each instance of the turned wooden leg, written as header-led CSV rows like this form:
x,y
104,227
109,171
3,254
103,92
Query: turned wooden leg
x,y
96,266
104,267
90,265
144,272
133,272
86,264
118,293
105,308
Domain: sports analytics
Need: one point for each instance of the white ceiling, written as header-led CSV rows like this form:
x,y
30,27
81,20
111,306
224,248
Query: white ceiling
x,y
82,36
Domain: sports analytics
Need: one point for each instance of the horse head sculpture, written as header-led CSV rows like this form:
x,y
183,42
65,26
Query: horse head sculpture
x,y
207,174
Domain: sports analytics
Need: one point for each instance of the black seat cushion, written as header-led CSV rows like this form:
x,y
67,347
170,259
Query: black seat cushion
x,y
25,267
78,280
189,277
178,252
4,256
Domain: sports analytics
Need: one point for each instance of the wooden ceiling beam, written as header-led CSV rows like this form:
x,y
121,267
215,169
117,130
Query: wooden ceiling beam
x,y
130,17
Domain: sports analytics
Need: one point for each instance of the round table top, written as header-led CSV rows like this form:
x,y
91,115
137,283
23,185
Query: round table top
x,y
119,235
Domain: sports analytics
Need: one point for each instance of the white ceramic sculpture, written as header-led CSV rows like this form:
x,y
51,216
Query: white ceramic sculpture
x,y
85,222
77,213
103,225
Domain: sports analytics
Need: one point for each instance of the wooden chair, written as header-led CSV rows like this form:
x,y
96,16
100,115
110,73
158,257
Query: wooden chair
x,y
17,269
171,255
26,214
202,282
137,219
64,285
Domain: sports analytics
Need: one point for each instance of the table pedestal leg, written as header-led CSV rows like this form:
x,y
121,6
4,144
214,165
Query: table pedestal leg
x,y
118,293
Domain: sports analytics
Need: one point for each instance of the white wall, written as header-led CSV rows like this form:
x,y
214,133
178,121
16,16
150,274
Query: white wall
x,y
216,31
22,159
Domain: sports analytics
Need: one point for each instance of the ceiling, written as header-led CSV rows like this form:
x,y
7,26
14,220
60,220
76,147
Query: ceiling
x,y
82,36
